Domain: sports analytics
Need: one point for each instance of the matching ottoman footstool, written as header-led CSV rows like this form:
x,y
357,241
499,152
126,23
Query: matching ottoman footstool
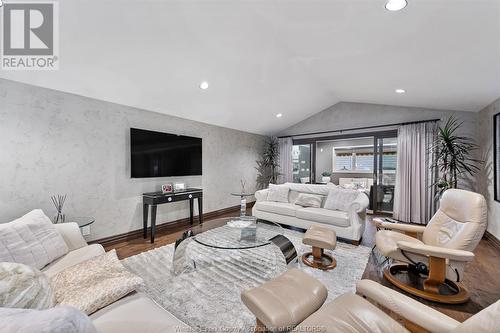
x,y
285,301
320,239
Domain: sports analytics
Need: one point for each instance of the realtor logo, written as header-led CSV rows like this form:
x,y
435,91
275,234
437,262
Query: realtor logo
x,y
29,36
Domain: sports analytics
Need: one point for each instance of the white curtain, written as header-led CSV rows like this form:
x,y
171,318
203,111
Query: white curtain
x,y
414,193
286,166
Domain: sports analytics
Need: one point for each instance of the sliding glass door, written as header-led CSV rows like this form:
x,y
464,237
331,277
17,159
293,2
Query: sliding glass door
x,y
384,173
301,159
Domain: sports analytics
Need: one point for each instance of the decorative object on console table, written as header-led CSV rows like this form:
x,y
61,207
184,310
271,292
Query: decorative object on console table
x,y
157,198
179,187
167,188
58,201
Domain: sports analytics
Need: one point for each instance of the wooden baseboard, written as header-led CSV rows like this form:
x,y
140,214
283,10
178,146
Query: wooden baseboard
x,y
172,226
495,241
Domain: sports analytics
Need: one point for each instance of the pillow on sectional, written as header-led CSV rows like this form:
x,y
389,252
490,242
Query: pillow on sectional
x,y
32,240
309,200
24,287
278,193
340,199
61,319
94,283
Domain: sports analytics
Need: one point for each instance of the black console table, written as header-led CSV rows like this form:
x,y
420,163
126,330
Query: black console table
x,y
157,198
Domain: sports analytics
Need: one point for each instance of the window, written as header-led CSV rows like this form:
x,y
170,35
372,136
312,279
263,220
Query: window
x,y
343,162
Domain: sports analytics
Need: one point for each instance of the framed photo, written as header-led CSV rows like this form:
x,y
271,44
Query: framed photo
x,y
167,188
179,187
496,155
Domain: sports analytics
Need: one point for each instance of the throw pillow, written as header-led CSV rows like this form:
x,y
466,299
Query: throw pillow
x,y
340,199
32,240
94,283
55,320
309,200
278,193
25,287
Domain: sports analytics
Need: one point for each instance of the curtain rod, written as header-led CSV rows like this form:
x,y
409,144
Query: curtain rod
x,y
361,128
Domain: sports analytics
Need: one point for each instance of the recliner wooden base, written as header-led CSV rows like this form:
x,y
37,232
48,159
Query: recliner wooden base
x,y
432,285
318,259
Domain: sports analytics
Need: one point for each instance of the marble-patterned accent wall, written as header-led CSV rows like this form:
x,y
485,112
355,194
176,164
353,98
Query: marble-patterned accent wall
x,y
53,142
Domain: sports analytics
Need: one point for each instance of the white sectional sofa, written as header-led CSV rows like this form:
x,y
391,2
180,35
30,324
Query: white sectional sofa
x,y
349,224
131,314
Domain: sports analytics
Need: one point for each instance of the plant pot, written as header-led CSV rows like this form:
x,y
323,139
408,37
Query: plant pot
x,y
325,179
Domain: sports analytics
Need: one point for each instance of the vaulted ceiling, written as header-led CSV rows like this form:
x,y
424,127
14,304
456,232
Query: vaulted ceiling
x,y
262,58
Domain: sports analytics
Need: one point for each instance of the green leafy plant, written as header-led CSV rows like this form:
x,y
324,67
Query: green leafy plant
x,y
268,165
326,174
453,156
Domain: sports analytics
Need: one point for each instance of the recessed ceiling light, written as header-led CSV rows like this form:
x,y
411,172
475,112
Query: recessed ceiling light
x,y
395,5
204,85
279,115
400,91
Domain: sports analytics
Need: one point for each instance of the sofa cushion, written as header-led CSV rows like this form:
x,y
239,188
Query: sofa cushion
x,y
136,313
340,199
95,283
32,240
278,193
72,258
61,319
280,208
309,200
22,286
321,215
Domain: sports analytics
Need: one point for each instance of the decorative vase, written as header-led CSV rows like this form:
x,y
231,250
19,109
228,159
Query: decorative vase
x,y
325,179
59,218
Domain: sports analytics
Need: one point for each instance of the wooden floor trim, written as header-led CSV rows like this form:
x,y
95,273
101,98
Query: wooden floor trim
x,y
494,241
166,227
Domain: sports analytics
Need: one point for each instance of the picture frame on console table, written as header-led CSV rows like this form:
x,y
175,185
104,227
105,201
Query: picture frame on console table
x,y
496,155
167,188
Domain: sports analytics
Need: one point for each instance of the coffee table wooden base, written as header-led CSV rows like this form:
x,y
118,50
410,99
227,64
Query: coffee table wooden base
x,y
457,293
318,259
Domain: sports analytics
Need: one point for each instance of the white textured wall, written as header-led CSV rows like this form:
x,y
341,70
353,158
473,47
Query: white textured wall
x,y
53,142
486,178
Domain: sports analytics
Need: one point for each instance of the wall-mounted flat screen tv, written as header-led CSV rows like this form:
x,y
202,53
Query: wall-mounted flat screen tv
x,y
156,154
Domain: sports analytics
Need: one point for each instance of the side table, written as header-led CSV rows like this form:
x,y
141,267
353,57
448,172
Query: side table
x,y
243,201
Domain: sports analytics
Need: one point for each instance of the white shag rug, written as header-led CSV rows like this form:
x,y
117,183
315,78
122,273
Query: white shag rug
x,y
208,298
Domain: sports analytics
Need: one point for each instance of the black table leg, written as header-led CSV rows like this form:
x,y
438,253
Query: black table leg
x,y
153,223
145,208
200,210
191,203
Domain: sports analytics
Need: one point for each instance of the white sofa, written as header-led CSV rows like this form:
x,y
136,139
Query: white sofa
x,y
131,314
348,225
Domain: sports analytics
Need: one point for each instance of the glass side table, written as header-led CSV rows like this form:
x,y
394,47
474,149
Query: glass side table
x,y
83,222
243,201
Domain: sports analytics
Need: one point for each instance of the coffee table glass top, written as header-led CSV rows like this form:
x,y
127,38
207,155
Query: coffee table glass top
x,y
239,233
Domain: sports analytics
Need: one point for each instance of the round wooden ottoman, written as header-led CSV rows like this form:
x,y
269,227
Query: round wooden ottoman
x,y
319,238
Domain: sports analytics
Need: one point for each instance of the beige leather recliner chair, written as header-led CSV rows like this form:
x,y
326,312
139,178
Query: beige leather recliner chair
x,y
438,259
281,305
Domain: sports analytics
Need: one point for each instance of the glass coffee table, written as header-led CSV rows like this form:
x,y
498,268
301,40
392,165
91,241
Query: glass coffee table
x,y
209,246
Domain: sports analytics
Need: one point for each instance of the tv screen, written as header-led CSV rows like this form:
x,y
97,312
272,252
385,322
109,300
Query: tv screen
x,y
156,154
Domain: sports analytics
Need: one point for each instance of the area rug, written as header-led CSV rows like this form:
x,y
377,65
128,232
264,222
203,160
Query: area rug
x,y
208,298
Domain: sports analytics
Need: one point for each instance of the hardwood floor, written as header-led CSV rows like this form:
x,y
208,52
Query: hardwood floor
x,y
482,277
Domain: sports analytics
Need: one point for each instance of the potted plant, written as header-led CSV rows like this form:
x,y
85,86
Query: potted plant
x,y
326,177
268,166
454,156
